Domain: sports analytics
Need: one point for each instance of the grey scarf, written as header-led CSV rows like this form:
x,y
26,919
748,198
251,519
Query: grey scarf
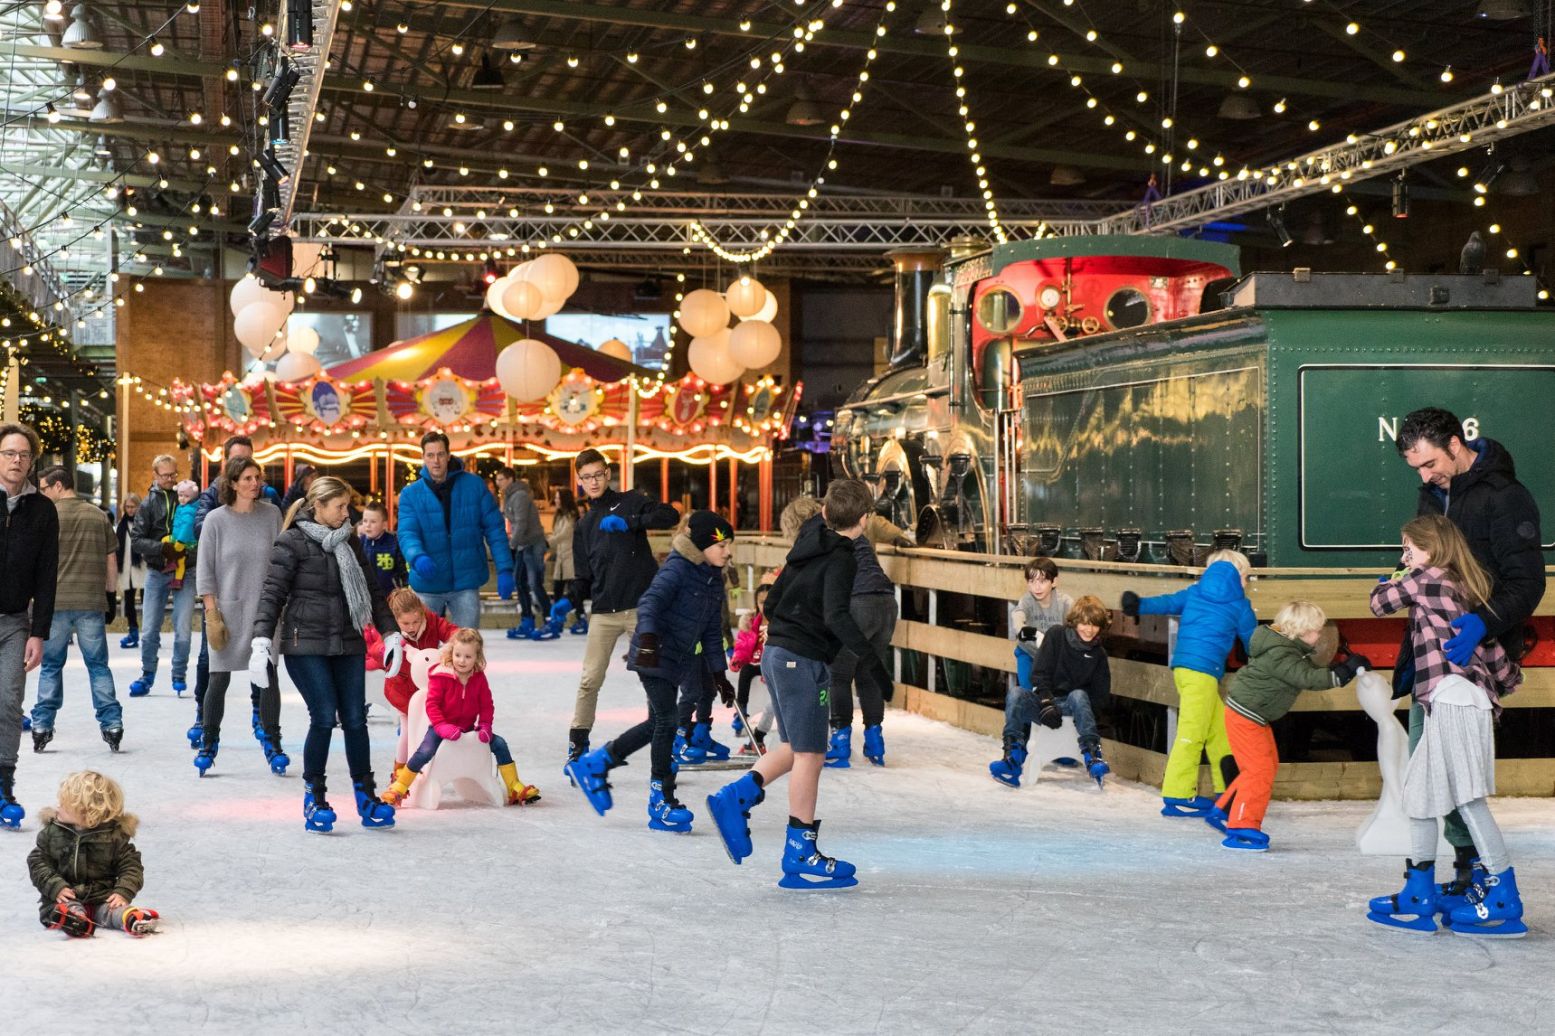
x,y
352,581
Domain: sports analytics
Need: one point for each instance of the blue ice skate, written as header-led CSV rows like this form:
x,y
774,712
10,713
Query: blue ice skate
x,y
316,812
12,814
524,630
737,724
277,759
579,628
665,812
142,687
258,727
374,811
206,757
1095,765
806,867
685,751
1494,911
841,749
1245,839
179,686
130,639
26,723
730,807
1007,770
195,734
702,738
1198,806
1413,908
1216,818
874,745
589,771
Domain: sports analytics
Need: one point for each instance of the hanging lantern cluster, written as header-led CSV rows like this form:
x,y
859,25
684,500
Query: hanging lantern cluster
x,y
718,353
529,369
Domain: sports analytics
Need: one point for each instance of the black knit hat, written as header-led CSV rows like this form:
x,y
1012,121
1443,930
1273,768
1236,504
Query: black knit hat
x,y
707,528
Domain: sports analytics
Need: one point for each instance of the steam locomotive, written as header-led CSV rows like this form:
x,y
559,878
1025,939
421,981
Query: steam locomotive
x,y
1134,398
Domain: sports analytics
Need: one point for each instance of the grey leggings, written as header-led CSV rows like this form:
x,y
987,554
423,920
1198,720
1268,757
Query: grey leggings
x,y
1482,826
216,707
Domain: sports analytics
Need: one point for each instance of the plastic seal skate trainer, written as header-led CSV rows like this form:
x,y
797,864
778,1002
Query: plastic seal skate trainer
x,y
1198,806
1413,908
806,867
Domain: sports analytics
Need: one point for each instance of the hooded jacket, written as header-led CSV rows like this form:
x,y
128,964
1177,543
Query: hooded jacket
x,y
614,568
1278,669
447,524
94,862
1499,518
466,705
303,608
1066,663
29,557
1214,611
683,607
807,608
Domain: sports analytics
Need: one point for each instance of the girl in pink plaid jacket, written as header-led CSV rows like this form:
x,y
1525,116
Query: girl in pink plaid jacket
x,y
1453,766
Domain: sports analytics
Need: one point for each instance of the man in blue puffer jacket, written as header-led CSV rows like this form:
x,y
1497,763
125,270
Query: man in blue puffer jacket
x,y
443,517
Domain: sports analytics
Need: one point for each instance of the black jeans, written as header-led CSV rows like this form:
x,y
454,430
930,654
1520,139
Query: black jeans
x,y
658,728
215,707
333,686
131,616
696,702
742,691
876,617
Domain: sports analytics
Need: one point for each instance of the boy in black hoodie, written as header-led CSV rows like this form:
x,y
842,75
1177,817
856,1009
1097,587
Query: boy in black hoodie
x,y
808,622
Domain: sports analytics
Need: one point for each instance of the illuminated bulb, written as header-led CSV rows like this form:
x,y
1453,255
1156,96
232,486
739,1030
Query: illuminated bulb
x,y
1398,56
1279,106
1211,50
1447,74
1352,28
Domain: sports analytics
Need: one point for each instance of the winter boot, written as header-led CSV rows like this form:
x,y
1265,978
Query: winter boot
x,y
730,808
1413,907
841,749
1095,765
806,867
1007,770
71,918
1198,806
1494,910
277,759
374,811
665,812
317,815
41,739
11,812
577,744
398,788
1467,872
142,687
139,921
686,751
130,639
206,757
113,736
1245,839
702,737
874,745
588,773
519,793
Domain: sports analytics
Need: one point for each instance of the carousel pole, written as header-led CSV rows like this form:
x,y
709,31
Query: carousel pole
x,y
764,490
628,468
734,492
389,496
664,480
712,482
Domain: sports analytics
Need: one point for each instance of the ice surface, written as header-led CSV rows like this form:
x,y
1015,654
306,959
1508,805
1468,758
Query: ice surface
x,y
1057,908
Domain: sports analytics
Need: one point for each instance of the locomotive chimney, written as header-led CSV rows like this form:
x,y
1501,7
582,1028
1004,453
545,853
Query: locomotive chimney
x,y
916,269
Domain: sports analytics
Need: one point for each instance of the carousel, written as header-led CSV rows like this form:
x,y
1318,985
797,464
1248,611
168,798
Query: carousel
x,y
504,396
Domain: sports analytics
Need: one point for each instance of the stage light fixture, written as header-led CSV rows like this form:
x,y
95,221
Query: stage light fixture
x,y
281,87
273,168
299,26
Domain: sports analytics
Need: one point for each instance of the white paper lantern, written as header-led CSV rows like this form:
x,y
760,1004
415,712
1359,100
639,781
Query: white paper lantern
x,y
554,275
710,360
745,296
754,344
703,312
494,297
300,338
549,307
523,299
767,311
528,369
616,348
249,290
296,366
256,325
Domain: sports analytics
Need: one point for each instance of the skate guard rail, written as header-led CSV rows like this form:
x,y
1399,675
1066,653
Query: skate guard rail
x,y
1342,593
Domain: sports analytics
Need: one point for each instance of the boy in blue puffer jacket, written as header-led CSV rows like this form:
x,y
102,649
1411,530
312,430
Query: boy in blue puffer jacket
x,y
678,639
1215,612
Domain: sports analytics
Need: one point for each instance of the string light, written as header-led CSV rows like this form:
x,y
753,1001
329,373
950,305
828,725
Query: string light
x,y
969,126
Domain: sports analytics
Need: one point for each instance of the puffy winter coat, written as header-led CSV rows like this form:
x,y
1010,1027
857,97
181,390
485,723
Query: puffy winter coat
x,y
400,687
1499,518
465,705
683,606
1066,663
614,568
1278,669
452,537
94,863
303,609
153,524
1214,611
29,557
560,565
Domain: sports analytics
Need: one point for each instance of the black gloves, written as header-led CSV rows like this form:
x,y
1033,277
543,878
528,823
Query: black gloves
x,y
1130,604
112,611
648,651
1343,672
1047,712
1027,634
724,688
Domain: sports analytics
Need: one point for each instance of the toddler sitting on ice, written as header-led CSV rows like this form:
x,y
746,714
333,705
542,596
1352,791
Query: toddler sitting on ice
x,y
86,869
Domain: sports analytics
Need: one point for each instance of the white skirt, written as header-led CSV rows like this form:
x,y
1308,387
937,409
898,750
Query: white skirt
x,y
1455,761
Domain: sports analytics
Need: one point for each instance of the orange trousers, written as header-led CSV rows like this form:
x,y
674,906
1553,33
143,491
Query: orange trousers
x,y
1257,760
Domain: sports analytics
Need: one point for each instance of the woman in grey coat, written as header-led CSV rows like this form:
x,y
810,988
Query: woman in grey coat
x,y
233,559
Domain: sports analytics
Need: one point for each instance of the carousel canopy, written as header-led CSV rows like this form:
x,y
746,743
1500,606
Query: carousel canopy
x,y
469,349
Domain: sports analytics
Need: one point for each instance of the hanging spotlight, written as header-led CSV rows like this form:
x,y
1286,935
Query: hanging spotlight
x,y
489,274
1400,198
1277,222
273,168
299,26
281,87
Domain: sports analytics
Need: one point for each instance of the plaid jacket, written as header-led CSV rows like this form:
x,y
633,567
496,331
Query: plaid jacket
x,y
1434,600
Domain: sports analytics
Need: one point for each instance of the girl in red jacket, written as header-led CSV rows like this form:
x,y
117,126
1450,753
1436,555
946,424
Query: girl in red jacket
x,y
459,701
421,629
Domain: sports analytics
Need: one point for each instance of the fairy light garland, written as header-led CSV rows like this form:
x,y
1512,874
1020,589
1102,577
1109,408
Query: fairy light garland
x,y
958,73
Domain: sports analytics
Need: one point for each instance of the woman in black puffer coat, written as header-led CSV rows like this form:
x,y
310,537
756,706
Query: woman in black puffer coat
x,y
318,597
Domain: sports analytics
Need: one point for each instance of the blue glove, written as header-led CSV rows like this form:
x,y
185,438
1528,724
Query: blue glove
x,y
425,567
612,523
560,610
505,585
1471,630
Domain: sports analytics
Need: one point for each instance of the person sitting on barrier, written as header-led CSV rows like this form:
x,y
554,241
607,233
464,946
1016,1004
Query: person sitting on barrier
x,y
1039,609
1069,677
1215,613
1279,667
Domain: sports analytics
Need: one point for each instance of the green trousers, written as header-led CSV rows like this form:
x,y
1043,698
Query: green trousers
x,y
1201,729
1454,828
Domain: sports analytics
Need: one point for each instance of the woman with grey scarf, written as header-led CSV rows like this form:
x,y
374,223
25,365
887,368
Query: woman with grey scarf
x,y
317,599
